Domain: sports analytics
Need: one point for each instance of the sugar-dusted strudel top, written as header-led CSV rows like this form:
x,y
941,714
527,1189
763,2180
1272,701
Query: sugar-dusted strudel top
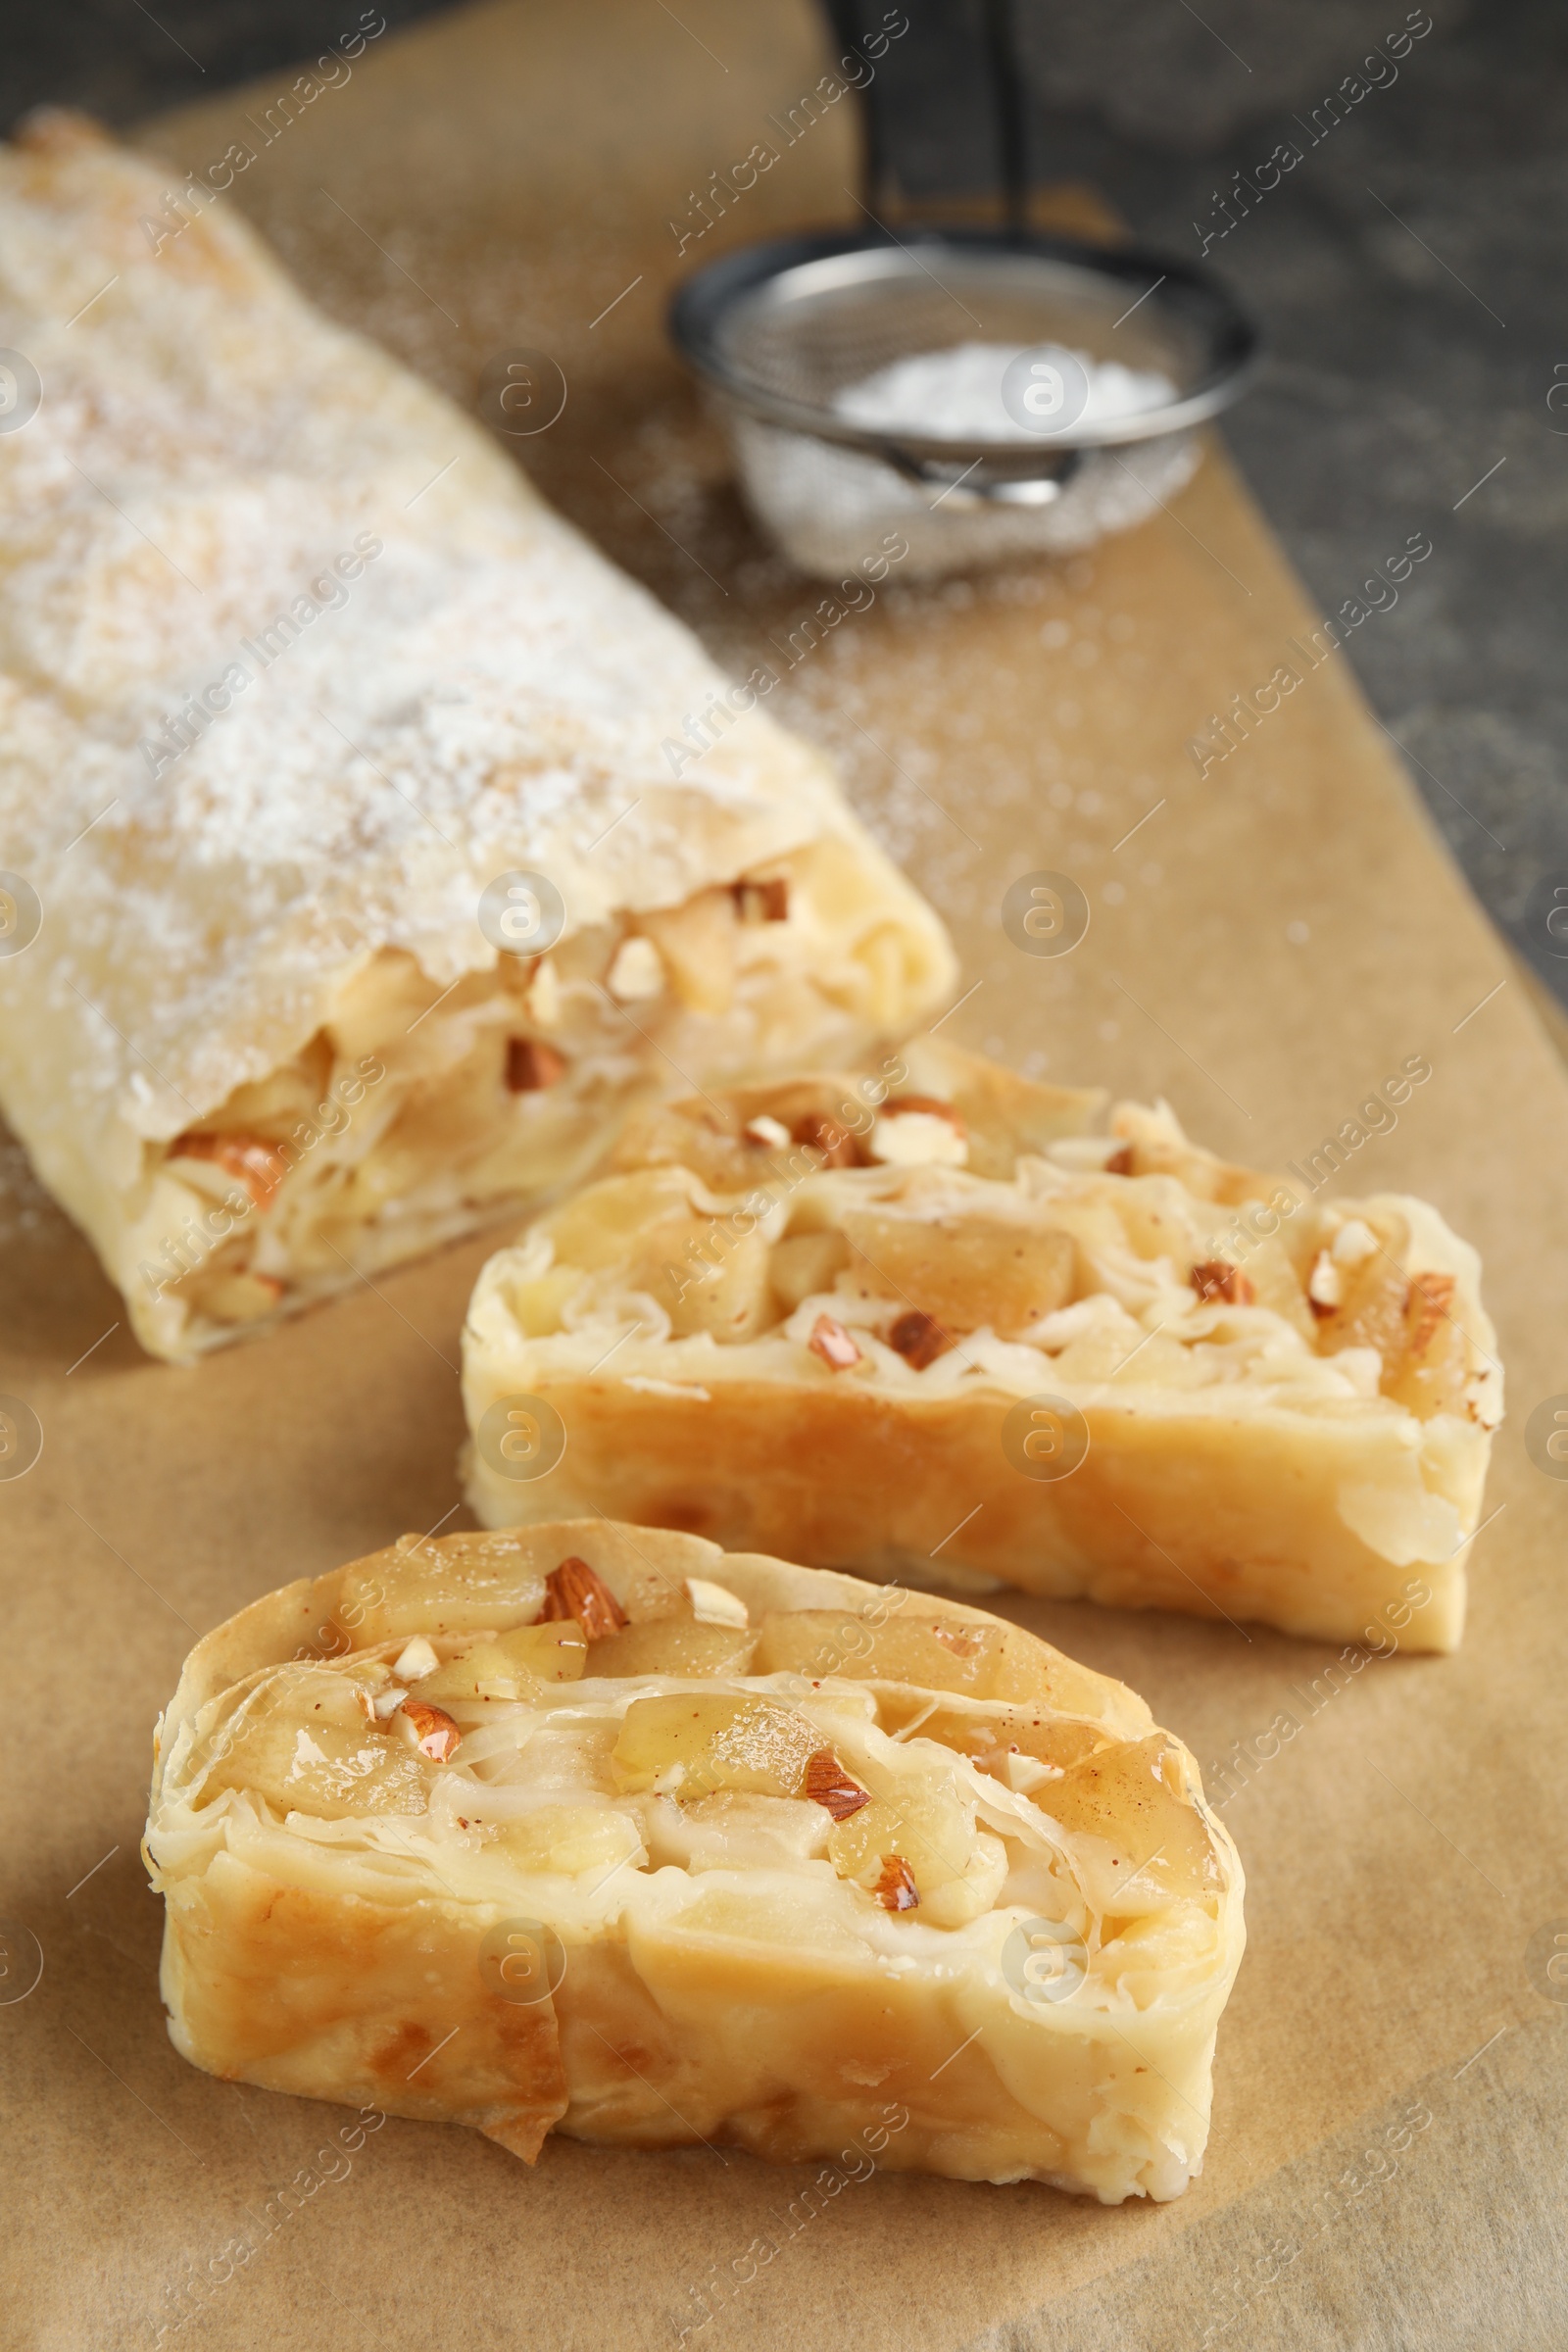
x,y
294,667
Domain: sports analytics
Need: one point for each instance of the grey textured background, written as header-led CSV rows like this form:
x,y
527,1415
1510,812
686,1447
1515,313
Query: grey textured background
x,y
1408,275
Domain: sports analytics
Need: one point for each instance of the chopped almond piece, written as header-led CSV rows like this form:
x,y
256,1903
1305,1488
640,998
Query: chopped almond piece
x,y
438,1735
910,1135
1433,1375
575,1589
1325,1287
919,1338
836,1144
1355,1243
252,1161
531,1066
415,1659
1430,1298
1214,1278
896,1889
828,1785
762,901
832,1343
715,1605
1120,1163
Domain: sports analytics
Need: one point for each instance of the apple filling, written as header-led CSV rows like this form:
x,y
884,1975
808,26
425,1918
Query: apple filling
x,y
793,1234
419,1108
908,1768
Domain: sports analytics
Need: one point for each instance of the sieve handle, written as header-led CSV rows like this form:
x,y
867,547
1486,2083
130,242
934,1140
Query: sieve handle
x,y
1011,106
848,29
987,99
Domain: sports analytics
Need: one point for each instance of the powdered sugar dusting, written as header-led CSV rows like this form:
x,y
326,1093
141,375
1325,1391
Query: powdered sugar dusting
x,y
429,677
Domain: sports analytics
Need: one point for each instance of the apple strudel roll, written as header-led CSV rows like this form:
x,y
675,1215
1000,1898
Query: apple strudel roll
x,y
353,893
1110,1366
597,1829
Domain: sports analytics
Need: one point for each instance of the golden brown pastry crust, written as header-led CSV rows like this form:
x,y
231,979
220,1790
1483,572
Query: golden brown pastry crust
x,y
774,2007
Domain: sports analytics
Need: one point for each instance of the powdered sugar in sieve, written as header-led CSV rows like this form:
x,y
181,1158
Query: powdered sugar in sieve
x,y
864,422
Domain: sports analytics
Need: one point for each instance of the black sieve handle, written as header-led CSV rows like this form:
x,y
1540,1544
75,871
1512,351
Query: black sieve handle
x,y
956,64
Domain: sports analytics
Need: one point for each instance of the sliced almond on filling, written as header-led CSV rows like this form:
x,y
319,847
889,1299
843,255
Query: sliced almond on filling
x,y
1354,1244
920,1131
1215,1278
896,1889
575,1589
414,1660
533,1065
832,1343
715,1605
838,1147
1430,1301
762,901
252,1161
919,1338
828,1785
436,1733
1325,1287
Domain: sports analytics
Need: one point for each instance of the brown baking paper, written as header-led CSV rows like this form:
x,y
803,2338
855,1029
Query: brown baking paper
x,y
1272,942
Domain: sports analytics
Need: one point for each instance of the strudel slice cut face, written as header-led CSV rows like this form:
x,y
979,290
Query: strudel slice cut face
x,y
599,1830
876,1336
351,895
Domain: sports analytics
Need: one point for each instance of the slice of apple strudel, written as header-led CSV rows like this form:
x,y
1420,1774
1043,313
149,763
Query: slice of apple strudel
x,y
597,1829
1111,1366
351,893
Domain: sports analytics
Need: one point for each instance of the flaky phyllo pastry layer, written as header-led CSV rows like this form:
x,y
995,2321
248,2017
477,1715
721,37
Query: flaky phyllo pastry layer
x,y
597,1829
293,665
891,1325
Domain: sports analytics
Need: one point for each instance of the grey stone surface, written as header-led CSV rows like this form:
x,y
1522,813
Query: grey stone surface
x,y
119,58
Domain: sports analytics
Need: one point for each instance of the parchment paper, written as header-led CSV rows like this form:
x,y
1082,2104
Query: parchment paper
x,y
1267,944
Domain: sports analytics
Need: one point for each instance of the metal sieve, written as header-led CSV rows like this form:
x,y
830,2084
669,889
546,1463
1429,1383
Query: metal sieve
x,y
777,329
